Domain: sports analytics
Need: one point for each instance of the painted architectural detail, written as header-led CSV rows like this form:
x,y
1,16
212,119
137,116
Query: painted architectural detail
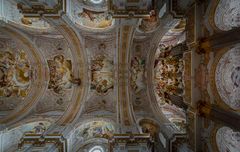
x,y
94,129
61,77
168,75
102,74
227,14
137,74
227,140
227,78
15,73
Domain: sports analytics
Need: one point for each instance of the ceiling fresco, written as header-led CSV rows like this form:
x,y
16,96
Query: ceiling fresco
x,y
137,72
90,132
227,77
60,79
96,68
137,76
91,17
168,75
95,129
101,75
17,75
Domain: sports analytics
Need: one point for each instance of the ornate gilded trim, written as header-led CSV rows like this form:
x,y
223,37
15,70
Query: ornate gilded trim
x,y
40,141
129,11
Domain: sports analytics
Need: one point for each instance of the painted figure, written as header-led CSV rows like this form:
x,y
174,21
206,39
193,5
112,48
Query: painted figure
x,y
61,75
94,19
151,23
137,74
168,74
95,129
102,74
15,74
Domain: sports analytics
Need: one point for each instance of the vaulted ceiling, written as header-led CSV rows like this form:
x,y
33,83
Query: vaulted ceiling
x,y
88,69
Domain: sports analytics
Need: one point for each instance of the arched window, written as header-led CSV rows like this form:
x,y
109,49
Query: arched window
x,y
96,1
96,149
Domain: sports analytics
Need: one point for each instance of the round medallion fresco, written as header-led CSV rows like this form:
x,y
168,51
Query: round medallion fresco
x,y
227,14
227,78
227,140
